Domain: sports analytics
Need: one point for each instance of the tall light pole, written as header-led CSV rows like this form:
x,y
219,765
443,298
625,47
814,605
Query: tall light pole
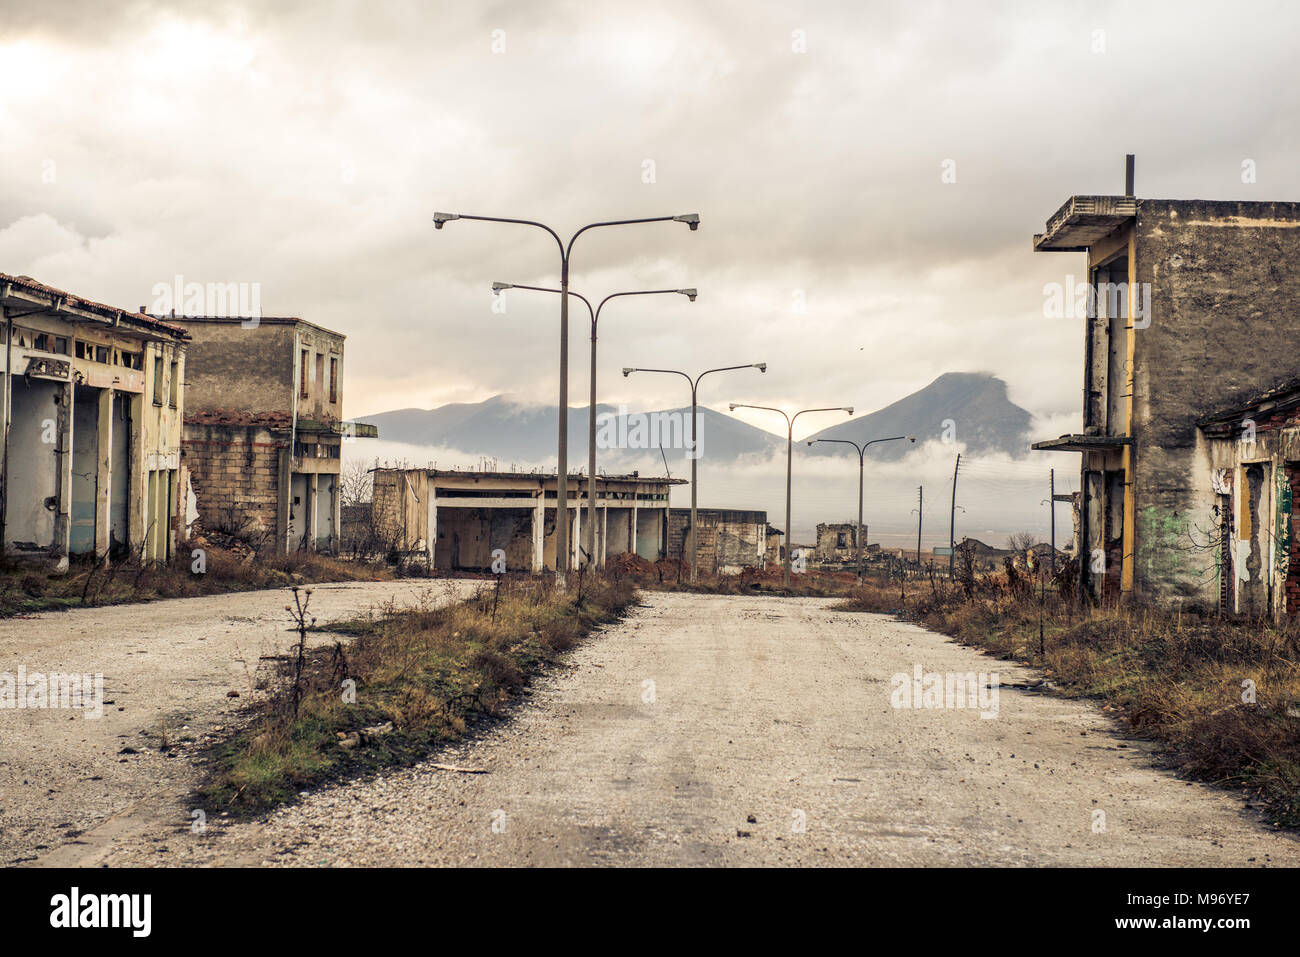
x,y
789,459
862,450
695,432
497,288
566,252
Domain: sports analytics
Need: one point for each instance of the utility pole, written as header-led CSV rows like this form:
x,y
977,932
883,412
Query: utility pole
x,y
920,506
1052,500
952,517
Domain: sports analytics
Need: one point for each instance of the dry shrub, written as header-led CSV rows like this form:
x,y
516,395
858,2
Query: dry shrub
x,y
499,671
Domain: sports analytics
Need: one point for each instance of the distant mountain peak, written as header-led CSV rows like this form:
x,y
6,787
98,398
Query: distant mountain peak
x,y
509,428
972,407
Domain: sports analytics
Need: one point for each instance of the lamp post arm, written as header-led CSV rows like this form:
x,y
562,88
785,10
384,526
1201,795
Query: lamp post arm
x,y
765,408
749,365
595,316
613,222
892,438
522,222
860,448
671,372
835,408
575,295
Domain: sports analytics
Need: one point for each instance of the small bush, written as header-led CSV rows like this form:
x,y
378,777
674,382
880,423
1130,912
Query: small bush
x,y
430,670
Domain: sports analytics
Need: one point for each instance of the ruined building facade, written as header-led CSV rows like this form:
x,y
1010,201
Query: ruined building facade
x,y
454,520
730,539
837,542
264,429
92,403
1182,303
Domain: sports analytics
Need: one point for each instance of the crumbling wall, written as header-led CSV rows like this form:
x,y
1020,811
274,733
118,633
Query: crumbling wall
x,y
828,548
468,536
1221,275
235,472
728,540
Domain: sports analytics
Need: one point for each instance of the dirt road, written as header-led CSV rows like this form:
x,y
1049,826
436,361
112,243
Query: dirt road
x,y
168,668
746,730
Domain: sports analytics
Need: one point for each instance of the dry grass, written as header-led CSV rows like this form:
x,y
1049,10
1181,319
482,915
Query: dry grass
x,y
1176,679
432,671
675,576
24,590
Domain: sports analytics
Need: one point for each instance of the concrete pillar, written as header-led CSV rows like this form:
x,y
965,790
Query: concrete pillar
x,y
311,513
576,559
431,525
284,499
336,510
63,517
539,531
603,549
104,470
137,517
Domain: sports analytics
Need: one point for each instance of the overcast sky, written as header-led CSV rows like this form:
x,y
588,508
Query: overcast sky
x,y
305,147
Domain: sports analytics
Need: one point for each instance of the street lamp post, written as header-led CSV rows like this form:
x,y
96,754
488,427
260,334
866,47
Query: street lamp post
x,y
562,477
789,459
497,288
862,450
695,447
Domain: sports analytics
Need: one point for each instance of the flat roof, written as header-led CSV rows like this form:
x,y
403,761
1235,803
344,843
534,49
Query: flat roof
x,y
728,514
576,477
260,321
61,300
1082,221
1082,443
1280,398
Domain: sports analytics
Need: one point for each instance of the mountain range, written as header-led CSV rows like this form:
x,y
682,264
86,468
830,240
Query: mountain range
x,y
968,407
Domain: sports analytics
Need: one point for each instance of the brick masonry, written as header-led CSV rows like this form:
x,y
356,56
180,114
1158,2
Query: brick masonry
x,y
727,537
235,470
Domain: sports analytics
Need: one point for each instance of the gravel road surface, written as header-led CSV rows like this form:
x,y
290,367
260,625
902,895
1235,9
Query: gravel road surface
x,y
168,667
711,730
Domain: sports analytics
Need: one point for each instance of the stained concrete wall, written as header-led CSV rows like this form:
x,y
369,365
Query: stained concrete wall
x,y
259,360
30,523
468,536
728,539
100,471
1225,281
828,547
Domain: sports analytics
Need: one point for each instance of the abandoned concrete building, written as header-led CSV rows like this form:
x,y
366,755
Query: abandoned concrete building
x,y
264,429
772,551
455,520
1253,453
730,540
93,399
837,542
1181,306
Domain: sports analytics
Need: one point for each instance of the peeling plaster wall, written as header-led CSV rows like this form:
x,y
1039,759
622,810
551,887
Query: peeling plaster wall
x,y
1276,452
828,548
1225,279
